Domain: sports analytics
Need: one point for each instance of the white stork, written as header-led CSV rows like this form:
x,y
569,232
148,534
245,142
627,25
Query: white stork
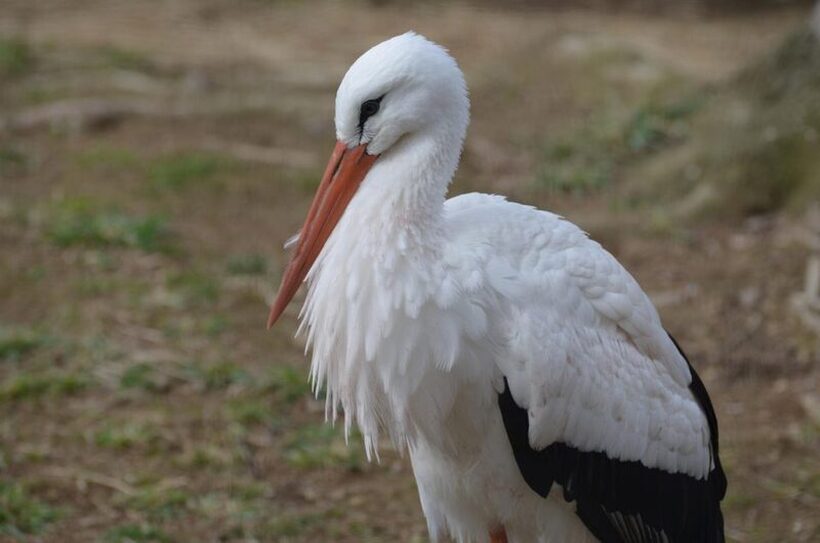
x,y
522,367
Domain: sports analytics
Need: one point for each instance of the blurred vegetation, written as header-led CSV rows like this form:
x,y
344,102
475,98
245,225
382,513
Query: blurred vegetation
x,y
25,386
753,148
82,221
141,398
136,533
247,264
178,171
320,445
744,147
590,157
658,6
15,343
12,160
126,59
20,513
16,57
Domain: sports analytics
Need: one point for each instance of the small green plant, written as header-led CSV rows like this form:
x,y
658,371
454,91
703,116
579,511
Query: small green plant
x,y
289,384
159,502
20,513
291,525
80,222
178,171
136,533
139,376
125,436
194,288
11,160
581,160
247,264
220,375
214,325
204,456
26,386
92,286
16,57
653,125
126,59
323,446
587,159
14,344
108,157
577,178
34,96
250,412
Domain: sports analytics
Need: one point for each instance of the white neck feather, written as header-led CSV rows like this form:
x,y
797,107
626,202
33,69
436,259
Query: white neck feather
x,y
380,266
401,200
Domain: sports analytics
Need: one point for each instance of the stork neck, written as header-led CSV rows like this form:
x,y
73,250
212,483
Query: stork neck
x,y
401,200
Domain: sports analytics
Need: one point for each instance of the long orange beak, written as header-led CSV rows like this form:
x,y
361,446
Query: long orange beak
x,y
343,175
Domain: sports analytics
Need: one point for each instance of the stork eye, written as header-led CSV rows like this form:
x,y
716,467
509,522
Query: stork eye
x,y
368,109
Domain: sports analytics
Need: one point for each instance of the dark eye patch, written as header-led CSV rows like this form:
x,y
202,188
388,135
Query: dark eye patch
x,y
368,109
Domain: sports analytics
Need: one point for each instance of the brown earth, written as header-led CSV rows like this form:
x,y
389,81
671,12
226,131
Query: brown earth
x,y
154,156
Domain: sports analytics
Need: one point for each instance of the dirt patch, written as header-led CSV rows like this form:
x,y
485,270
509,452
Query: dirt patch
x,y
141,397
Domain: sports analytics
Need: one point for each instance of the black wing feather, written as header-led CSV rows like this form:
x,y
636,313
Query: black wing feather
x,y
624,501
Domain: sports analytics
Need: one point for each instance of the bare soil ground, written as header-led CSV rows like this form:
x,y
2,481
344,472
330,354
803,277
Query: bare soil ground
x,y
154,156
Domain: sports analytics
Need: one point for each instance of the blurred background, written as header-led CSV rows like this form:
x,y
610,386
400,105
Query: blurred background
x,y
155,155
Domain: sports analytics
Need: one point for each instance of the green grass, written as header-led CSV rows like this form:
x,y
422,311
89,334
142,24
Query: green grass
x,y
159,502
139,376
14,344
589,157
292,525
288,384
136,533
81,222
750,149
16,57
108,157
323,446
204,456
12,160
24,386
34,96
580,161
127,435
764,175
178,171
213,325
219,375
247,264
655,124
96,286
126,59
248,412
168,172
194,288
20,513
252,491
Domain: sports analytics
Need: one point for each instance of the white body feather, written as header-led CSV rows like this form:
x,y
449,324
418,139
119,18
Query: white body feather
x,y
415,339
418,308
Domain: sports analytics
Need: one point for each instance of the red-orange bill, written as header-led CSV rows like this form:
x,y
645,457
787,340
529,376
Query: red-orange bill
x,y
344,173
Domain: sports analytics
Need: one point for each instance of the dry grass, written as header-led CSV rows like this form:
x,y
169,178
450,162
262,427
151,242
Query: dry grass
x,y
752,147
141,398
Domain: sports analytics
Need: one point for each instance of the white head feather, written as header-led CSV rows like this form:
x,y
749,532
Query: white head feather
x,y
422,87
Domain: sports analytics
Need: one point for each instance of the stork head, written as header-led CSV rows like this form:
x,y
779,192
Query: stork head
x,y
404,86
401,86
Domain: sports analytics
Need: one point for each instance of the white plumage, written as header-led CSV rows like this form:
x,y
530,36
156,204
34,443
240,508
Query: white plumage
x,y
418,309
